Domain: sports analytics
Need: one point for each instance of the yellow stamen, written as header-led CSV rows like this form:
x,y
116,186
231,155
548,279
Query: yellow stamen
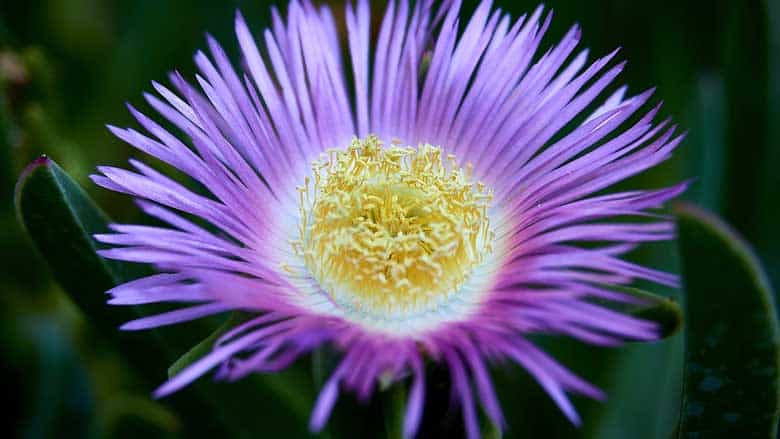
x,y
392,228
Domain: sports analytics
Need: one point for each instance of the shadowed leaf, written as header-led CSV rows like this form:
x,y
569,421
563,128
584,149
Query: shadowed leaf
x,y
205,346
664,311
731,372
61,220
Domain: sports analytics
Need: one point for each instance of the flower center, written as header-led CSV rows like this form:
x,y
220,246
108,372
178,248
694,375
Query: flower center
x,y
392,229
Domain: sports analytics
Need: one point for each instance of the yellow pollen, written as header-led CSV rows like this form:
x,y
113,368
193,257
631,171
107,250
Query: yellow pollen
x,y
393,228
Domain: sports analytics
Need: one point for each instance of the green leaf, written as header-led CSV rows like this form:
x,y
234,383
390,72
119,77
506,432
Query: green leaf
x,y
636,376
490,430
614,370
706,146
205,346
61,219
664,311
732,339
289,388
286,393
394,404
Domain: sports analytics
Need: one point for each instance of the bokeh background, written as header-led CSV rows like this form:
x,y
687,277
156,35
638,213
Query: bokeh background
x,y
68,66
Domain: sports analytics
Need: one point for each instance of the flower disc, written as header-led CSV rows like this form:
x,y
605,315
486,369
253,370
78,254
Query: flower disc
x,y
396,229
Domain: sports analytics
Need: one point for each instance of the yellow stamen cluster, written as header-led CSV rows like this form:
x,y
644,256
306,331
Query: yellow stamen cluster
x,y
392,228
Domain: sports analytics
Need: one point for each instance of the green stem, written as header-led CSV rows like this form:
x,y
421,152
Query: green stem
x,y
394,404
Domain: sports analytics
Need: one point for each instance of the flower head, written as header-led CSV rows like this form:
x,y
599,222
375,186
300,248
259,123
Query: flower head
x,y
432,210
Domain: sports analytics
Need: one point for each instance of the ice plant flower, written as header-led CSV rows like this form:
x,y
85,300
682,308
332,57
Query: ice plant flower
x,y
425,199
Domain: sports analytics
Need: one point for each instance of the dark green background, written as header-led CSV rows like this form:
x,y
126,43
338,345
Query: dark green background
x,y
68,66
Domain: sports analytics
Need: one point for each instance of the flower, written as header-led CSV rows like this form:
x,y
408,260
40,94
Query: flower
x,y
436,210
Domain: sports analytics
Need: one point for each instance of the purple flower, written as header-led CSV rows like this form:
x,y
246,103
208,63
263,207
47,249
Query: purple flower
x,y
432,210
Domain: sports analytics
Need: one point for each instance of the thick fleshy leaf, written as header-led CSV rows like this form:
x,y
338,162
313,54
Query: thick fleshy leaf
x,y
289,388
662,310
61,219
732,338
259,405
206,345
616,371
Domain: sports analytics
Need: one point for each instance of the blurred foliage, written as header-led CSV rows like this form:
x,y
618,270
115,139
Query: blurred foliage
x,y
67,67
